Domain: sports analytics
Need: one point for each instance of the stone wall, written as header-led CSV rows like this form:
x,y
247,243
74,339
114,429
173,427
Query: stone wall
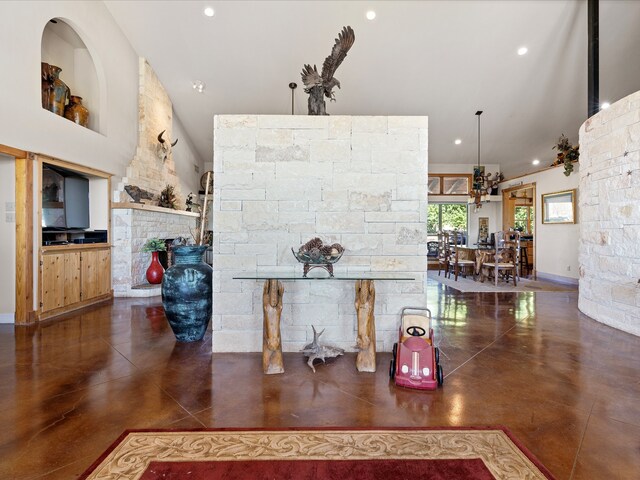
x,y
610,215
282,180
131,228
148,170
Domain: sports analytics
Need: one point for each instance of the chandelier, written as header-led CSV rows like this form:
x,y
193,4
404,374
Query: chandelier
x,y
482,183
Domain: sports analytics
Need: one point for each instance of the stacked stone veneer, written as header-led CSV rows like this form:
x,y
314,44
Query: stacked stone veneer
x,y
282,180
155,113
131,228
610,215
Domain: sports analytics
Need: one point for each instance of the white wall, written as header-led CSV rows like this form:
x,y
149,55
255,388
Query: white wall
x,y
186,161
7,239
98,198
26,125
556,245
492,209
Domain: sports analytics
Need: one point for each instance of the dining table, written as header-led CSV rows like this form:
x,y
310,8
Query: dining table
x,y
480,253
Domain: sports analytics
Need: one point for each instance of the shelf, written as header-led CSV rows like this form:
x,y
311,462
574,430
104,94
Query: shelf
x,y
151,208
74,246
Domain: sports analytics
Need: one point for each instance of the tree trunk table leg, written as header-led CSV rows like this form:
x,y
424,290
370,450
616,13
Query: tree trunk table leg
x,y
366,342
271,341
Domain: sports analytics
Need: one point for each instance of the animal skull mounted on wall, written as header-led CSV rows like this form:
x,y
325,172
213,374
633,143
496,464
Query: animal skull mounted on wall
x,y
165,147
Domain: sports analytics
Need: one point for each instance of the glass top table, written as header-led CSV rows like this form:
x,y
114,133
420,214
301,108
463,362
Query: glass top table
x,y
272,303
288,276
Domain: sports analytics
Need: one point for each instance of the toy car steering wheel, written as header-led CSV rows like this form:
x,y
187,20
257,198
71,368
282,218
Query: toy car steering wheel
x,y
416,331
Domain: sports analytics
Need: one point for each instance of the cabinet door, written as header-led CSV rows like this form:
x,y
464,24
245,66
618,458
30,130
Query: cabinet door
x,y
71,278
60,280
96,273
52,274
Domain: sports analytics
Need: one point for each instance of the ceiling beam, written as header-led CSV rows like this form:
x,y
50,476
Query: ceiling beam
x,y
593,68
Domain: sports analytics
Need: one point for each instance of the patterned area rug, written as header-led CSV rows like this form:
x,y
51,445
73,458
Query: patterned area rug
x,y
460,453
524,285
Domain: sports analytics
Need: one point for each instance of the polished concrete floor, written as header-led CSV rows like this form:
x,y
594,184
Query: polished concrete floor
x,y
568,387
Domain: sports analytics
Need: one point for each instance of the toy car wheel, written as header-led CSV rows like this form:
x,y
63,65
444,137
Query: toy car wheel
x,y
392,369
437,354
395,350
440,375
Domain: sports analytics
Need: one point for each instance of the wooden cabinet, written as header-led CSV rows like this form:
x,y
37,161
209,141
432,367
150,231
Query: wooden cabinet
x,y
60,280
73,277
96,273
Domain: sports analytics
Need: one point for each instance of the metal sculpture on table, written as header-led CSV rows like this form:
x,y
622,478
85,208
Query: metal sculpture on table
x,y
316,351
314,254
319,85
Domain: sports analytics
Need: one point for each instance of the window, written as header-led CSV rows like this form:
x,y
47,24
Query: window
x,y
446,216
524,219
449,184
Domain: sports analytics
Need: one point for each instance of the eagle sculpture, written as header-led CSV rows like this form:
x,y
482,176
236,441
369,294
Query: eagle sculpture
x,y
318,85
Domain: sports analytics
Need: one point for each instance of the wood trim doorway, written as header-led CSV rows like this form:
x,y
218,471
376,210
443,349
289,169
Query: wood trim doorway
x,y
508,211
24,312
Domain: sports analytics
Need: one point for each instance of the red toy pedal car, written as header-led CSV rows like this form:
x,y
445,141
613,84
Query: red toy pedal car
x,y
416,362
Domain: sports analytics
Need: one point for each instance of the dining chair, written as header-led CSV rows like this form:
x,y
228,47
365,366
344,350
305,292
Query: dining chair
x,y
506,258
444,252
462,260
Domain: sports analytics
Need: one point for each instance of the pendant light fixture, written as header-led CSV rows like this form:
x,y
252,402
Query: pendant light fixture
x,y
479,192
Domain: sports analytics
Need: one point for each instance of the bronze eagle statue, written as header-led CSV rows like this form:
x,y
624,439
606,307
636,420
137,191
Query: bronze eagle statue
x,y
318,85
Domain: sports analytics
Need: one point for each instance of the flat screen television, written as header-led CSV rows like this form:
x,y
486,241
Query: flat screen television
x,y
65,200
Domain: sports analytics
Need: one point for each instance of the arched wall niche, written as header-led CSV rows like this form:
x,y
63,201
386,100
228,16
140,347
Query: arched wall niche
x,y
63,45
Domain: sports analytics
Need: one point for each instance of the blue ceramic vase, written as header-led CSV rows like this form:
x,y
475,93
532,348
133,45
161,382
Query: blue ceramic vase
x,y
187,293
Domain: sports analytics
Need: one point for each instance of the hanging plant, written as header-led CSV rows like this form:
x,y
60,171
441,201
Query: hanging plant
x,y
567,154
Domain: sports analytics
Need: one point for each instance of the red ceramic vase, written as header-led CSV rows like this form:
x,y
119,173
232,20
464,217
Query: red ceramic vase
x,y
155,271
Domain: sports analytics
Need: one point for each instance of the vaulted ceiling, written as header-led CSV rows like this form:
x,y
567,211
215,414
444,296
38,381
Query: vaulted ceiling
x,y
444,59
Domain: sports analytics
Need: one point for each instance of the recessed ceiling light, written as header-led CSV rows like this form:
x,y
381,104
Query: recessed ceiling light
x,y
536,162
199,86
371,15
605,105
457,141
208,11
522,50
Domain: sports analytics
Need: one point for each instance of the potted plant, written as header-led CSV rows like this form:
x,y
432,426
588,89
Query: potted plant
x,y
155,272
567,154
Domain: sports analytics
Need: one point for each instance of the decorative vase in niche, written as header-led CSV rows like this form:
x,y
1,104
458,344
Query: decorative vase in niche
x,y
76,112
187,293
155,272
54,91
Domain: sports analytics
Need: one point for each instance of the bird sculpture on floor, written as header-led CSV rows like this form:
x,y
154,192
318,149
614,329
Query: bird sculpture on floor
x,y
315,350
318,85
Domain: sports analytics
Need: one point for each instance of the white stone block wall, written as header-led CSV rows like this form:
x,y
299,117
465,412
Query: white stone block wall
x,y
282,180
610,215
148,170
131,228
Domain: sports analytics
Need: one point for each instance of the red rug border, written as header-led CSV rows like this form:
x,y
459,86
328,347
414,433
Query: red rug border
x,y
545,471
